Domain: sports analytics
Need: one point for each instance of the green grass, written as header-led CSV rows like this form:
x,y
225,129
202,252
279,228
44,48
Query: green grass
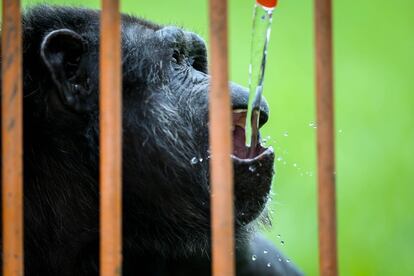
x,y
374,66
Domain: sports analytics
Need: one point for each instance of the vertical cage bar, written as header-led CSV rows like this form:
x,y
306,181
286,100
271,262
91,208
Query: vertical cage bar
x,y
110,101
221,166
12,140
325,138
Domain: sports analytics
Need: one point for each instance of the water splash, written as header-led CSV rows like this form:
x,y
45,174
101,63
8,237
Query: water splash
x,y
194,161
312,125
262,21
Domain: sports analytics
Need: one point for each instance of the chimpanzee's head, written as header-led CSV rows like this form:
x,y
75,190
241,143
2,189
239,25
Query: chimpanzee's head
x,y
165,123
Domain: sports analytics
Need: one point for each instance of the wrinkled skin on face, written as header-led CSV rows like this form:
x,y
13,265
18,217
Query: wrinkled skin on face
x,y
166,209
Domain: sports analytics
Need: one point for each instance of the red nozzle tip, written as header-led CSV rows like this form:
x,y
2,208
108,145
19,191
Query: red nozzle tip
x,y
267,3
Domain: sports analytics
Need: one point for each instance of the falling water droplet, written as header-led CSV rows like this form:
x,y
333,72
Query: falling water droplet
x,y
266,140
288,261
278,236
282,242
286,134
265,251
312,124
340,131
280,259
269,264
254,258
280,158
252,168
295,165
194,161
201,160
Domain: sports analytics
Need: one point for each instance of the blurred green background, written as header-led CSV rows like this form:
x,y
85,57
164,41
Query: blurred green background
x,y
374,73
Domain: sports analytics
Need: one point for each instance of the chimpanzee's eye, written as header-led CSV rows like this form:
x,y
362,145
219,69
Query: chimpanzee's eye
x,y
199,63
176,57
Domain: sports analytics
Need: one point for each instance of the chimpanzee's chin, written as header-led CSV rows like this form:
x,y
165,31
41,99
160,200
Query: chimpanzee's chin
x,y
253,179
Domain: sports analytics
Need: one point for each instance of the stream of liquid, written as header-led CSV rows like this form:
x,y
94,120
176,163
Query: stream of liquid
x,y
262,21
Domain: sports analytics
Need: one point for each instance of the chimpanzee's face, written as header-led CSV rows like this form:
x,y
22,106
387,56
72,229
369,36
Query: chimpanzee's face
x,y
173,124
165,127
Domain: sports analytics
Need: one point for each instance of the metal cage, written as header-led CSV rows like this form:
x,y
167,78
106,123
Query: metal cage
x,y
223,263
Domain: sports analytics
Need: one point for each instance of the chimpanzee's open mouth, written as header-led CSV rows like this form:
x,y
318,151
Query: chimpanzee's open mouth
x,y
240,151
253,171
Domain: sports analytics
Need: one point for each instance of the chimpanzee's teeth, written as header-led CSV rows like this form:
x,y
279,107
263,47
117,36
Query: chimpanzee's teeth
x,y
239,118
240,125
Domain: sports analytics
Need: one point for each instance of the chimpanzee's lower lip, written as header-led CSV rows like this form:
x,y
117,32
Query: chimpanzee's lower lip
x,y
267,154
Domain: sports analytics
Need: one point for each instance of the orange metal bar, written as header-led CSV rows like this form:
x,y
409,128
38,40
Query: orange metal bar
x,y
221,166
110,140
325,137
12,112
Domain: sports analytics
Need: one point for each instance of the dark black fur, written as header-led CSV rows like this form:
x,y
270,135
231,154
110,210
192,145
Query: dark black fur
x,y
166,226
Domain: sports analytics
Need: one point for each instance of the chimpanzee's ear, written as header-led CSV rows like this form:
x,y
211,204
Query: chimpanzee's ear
x,y
64,52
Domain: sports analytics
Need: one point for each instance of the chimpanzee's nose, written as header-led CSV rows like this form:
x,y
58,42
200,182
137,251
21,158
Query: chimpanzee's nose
x,y
240,99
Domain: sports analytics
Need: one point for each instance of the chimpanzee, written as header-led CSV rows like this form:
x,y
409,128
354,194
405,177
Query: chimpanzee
x,y
166,209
